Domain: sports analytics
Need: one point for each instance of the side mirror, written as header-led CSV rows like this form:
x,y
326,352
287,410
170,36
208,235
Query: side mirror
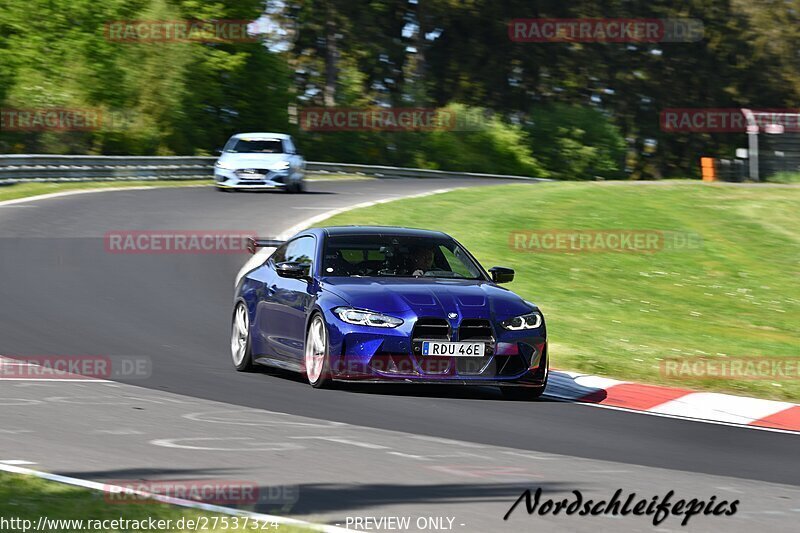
x,y
291,269
219,151
502,274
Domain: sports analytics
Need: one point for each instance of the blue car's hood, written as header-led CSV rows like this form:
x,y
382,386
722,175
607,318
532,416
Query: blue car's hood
x,y
428,297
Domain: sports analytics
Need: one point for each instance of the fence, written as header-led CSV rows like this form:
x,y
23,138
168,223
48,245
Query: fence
x,y
63,168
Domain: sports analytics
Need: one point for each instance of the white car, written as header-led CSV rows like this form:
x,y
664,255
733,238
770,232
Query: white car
x,y
260,161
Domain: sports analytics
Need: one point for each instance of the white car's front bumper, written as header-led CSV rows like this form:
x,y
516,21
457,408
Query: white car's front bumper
x,y
231,179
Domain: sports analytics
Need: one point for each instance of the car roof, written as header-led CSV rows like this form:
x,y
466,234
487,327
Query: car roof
x,y
260,135
382,230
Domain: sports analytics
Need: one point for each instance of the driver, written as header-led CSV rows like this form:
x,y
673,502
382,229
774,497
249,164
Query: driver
x,y
421,260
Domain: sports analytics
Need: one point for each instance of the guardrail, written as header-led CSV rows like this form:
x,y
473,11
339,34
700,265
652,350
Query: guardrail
x,y
62,168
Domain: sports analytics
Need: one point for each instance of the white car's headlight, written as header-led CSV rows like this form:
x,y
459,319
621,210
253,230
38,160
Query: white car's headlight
x,y
529,321
361,317
281,166
223,166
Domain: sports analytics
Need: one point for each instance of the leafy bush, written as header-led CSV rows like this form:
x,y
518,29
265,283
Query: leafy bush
x,y
576,142
491,146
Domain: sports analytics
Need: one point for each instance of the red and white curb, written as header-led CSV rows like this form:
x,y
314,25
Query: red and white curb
x,y
674,402
112,489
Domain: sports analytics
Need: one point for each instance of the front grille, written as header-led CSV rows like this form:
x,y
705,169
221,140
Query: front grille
x,y
244,172
475,329
256,175
431,329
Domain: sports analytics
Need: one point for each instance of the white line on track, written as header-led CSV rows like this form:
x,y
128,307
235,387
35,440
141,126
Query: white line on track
x,y
531,455
256,445
226,417
93,485
448,441
54,375
47,196
455,455
342,440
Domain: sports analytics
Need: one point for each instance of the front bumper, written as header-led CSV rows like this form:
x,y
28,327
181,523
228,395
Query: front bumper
x,y
230,179
362,354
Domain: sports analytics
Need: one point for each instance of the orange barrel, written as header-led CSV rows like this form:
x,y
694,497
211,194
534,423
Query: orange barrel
x,y
708,169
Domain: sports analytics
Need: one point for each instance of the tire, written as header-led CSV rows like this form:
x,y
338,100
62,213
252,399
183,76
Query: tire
x,y
522,393
316,360
241,349
225,189
295,187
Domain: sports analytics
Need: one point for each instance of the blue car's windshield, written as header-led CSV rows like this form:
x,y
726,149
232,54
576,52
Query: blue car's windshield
x,y
397,256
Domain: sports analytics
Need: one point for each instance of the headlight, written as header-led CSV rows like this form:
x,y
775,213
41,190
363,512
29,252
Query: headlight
x,y
281,166
366,318
529,321
223,166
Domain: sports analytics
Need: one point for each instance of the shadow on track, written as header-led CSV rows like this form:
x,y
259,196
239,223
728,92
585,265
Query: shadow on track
x,y
407,390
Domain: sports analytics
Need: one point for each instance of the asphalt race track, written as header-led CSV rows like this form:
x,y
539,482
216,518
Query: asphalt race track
x,y
356,451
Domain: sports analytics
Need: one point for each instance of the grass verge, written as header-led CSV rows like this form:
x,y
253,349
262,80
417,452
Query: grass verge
x,y
622,314
29,498
785,177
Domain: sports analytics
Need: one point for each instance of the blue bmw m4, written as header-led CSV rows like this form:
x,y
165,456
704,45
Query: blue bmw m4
x,y
387,304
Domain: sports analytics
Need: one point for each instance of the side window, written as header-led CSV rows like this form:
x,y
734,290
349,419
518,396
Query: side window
x,y
300,250
230,144
279,255
457,264
288,146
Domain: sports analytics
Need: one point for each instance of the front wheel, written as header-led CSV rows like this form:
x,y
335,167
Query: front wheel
x,y
316,353
295,187
240,340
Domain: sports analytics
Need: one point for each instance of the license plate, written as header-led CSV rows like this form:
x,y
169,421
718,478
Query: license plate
x,y
453,349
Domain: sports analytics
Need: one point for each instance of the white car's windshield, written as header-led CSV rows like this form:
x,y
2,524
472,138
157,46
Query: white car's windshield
x,y
255,146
